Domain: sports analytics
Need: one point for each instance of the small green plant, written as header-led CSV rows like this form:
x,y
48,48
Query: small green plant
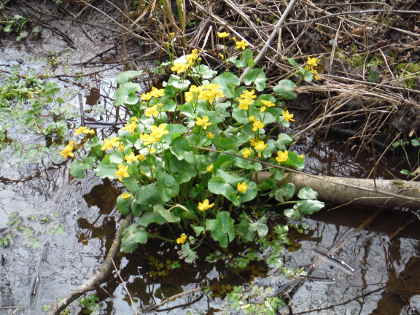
x,y
89,304
16,24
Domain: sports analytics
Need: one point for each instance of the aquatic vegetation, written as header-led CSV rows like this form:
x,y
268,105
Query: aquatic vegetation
x,y
193,164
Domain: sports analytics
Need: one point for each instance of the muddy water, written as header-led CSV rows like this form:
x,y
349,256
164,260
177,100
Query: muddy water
x,y
60,231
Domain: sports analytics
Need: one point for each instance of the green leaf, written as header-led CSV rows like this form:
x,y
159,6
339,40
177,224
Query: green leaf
x,y
217,185
285,192
126,76
167,186
204,72
106,169
256,76
260,227
242,229
123,205
307,193
149,218
148,195
178,83
240,115
224,143
308,207
127,93
181,148
294,160
78,169
285,89
132,237
198,229
246,59
222,229
116,157
283,140
228,82
166,214
180,169
187,253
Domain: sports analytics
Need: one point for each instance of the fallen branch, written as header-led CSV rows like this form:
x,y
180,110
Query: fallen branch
x,y
359,191
100,276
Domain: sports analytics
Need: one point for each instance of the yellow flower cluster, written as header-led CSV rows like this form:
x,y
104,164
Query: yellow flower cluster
x,y
257,125
282,156
246,98
154,92
287,116
311,65
259,145
181,67
203,122
207,92
110,143
210,168
182,239
152,111
242,187
122,172
68,150
84,130
130,127
246,152
266,104
131,158
157,133
205,205
241,44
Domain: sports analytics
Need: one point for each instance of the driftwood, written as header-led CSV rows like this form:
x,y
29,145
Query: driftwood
x,y
100,276
357,191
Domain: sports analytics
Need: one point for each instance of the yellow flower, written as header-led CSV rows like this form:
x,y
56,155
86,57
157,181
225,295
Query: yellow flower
x,y
155,92
221,56
152,150
259,145
268,103
252,118
302,156
159,131
258,124
192,58
209,168
209,92
121,147
223,34
244,103
182,239
241,44
312,62
248,94
210,135
152,111
146,97
148,139
263,109
84,130
130,158
122,172
126,195
131,127
110,143
203,122
246,153
140,157
179,67
287,116
205,205
68,150
192,94
242,187
282,156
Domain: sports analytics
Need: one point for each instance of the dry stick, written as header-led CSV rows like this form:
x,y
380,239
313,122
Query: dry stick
x,y
100,276
124,286
271,38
